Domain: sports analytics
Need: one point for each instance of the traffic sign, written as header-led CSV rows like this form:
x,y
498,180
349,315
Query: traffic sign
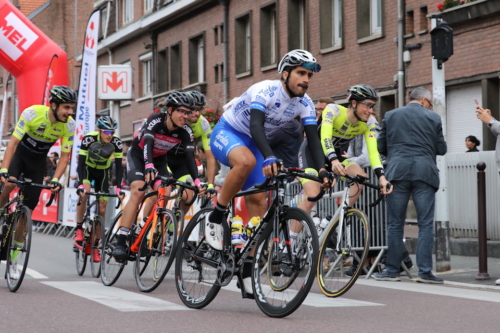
x,y
114,82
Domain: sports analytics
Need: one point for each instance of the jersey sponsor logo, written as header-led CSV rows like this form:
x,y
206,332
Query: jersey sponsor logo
x,y
71,125
55,129
18,132
15,36
54,135
21,124
88,140
372,135
223,139
288,113
29,114
139,173
118,143
218,145
41,128
344,128
71,138
209,135
175,135
153,123
329,115
205,125
31,141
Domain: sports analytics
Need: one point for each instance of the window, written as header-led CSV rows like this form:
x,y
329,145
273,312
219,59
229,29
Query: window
x,y
146,67
423,20
331,25
243,45
409,24
175,66
103,25
221,33
297,24
148,6
162,77
197,59
216,35
268,36
128,10
369,11
216,73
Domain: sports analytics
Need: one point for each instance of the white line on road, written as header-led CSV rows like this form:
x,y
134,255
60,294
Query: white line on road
x,y
317,300
116,298
479,295
31,272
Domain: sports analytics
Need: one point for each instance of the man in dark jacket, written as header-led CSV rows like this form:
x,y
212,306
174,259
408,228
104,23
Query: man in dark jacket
x,y
285,142
411,137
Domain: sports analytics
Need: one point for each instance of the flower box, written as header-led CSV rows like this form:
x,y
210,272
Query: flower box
x,y
470,11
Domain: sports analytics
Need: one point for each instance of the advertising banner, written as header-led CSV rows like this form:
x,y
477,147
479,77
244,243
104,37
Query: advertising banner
x,y
42,213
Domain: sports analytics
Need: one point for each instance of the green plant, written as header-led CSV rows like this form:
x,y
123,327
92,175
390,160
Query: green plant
x,y
212,116
452,3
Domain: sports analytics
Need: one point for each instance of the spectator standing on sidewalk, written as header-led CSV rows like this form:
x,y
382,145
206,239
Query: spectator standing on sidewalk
x,y
321,105
410,138
471,142
494,125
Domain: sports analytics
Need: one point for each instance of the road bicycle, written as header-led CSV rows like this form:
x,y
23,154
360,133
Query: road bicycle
x,y
15,234
152,244
344,242
91,242
282,274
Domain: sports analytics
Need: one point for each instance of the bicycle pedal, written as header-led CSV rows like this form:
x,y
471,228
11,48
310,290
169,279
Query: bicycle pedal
x,y
75,249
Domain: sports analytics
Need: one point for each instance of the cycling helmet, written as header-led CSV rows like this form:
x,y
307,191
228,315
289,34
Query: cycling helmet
x,y
178,98
299,58
62,94
360,92
106,123
198,97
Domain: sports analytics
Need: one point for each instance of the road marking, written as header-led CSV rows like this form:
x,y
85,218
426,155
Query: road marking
x,y
313,299
31,272
116,298
479,295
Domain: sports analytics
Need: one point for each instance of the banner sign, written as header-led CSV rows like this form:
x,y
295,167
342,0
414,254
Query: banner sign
x,y
42,213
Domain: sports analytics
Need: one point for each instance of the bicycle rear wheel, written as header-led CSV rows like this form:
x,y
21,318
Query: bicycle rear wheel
x,y
110,268
19,245
336,275
196,264
81,258
158,243
283,275
96,244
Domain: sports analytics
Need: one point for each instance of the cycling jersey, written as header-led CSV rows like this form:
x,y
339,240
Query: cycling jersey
x,y
336,131
98,154
269,97
38,134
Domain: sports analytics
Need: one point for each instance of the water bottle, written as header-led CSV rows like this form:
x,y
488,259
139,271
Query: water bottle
x,y
238,237
252,224
324,222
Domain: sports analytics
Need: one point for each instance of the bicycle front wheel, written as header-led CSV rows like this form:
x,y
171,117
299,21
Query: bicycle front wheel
x,y
157,250
284,270
81,258
196,264
19,245
110,268
342,256
96,247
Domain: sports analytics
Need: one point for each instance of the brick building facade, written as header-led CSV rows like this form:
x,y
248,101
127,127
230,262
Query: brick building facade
x,y
178,44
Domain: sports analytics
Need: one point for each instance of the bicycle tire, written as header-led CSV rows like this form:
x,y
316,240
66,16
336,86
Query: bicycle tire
x,y
195,280
161,255
293,274
81,257
24,249
95,267
333,265
110,268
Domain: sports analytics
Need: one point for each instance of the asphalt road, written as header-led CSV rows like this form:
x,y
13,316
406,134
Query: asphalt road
x,y
55,299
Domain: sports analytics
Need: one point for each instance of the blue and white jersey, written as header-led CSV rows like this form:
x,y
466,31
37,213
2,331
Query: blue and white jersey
x,y
269,97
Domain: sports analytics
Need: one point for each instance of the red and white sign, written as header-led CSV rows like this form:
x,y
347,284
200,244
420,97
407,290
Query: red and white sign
x,y
16,37
42,213
114,82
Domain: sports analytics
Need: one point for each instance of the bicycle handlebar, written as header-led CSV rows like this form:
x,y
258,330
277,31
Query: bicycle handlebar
x,y
167,181
359,179
102,194
28,182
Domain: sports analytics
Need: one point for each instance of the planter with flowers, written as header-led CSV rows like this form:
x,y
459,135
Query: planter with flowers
x,y
212,116
456,11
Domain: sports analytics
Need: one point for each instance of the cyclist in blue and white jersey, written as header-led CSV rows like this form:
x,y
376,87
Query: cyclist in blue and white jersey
x,y
239,140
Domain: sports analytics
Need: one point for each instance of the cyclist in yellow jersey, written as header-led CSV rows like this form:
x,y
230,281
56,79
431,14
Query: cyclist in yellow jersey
x,y
176,157
38,128
340,125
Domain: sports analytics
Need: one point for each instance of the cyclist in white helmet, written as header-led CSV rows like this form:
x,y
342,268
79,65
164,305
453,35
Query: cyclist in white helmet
x,y
239,139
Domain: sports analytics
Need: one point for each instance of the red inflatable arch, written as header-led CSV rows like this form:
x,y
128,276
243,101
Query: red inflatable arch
x,y
30,56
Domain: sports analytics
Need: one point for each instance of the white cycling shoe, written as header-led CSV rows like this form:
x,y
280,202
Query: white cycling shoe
x,y
14,272
213,234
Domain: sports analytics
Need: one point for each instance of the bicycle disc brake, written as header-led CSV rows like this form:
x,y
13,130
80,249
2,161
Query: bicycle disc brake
x,y
225,269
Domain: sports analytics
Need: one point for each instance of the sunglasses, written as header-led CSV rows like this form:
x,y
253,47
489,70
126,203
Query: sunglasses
x,y
198,109
369,105
185,112
430,104
107,132
311,66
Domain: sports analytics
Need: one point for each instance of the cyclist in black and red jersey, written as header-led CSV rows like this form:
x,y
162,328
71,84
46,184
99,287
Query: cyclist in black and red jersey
x,y
147,157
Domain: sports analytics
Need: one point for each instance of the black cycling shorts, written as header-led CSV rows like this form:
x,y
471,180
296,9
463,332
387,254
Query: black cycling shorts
x,y
135,165
26,163
178,165
99,176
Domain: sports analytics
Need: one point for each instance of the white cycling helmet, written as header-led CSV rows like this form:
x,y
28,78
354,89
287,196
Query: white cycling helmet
x,y
299,58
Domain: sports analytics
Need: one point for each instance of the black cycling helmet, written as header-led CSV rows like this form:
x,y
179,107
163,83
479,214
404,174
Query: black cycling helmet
x,y
360,92
179,98
198,97
106,123
62,94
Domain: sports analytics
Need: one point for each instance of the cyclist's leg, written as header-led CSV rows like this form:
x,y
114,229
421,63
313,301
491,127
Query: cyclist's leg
x,y
80,210
16,168
353,169
178,166
101,184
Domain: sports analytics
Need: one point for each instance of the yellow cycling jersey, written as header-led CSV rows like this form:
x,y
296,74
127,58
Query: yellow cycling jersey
x,y
38,134
202,129
336,131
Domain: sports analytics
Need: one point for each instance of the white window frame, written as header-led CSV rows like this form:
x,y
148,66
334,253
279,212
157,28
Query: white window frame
x,y
337,23
146,63
201,60
128,11
376,17
248,46
148,6
302,24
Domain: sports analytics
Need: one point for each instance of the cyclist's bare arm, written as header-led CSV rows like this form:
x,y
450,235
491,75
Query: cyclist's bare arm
x,y
211,166
9,152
